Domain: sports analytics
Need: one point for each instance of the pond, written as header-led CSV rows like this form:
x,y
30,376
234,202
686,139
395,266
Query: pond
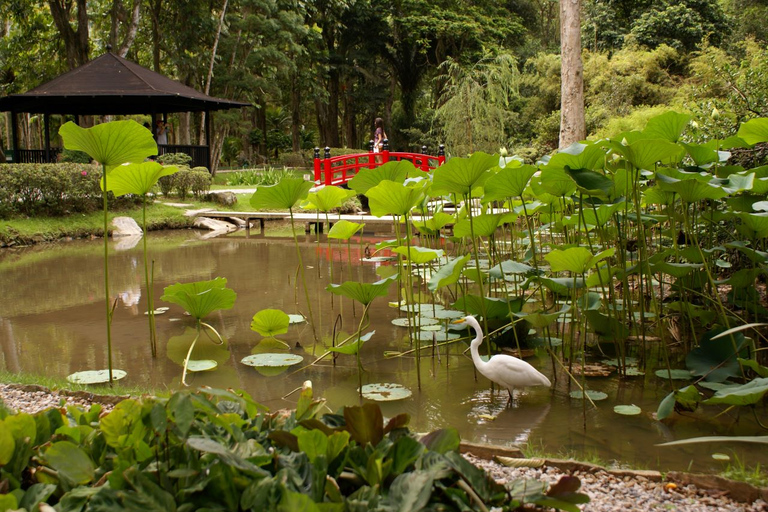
x,y
52,323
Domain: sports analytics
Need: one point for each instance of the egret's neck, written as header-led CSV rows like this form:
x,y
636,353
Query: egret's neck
x,y
479,363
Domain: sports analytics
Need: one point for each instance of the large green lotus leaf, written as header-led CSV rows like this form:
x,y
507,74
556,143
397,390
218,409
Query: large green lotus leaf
x,y
719,439
668,126
385,392
270,322
202,297
666,407
494,307
556,182
508,182
344,229
391,198
418,255
744,278
136,178
560,285
739,183
601,214
655,195
703,154
754,131
715,359
577,156
72,462
575,259
644,154
484,225
691,190
760,186
754,225
461,175
759,369
676,270
540,320
112,143
326,198
747,394
607,327
364,293
448,274
590,182
754,256
282,195
436,222
366,179
509,267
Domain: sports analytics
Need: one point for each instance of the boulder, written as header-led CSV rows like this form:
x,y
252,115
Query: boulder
x,y
223,197
214,225
125,226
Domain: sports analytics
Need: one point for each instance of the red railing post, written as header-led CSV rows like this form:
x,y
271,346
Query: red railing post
x,y
317,166
424,159
327,166
385,151
441,155
371,158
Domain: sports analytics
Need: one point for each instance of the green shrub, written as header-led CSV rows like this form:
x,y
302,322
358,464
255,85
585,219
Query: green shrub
x,y
177,159
78,157
200,180
295,159
166,184
48,189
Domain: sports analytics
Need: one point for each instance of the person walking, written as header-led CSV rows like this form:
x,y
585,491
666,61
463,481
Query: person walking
x,y
379,135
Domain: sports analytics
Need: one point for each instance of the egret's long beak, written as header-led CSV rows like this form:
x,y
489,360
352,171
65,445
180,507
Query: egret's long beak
x,y
459,321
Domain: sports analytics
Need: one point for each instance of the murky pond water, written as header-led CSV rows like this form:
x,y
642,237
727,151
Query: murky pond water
x,y
52,323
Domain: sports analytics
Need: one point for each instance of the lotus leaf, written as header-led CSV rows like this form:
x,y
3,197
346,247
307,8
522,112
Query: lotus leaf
x,y
95,376
385,392
715,359
112,143
201,365
418,255
483,225
590,182
594,395
137,178
201,298
396,171
448,274
675,374
754,131
270,322
364,293
283,195
272,359
326,198
508,182
392,198
460,175
627,410
344,229
668,126
746,394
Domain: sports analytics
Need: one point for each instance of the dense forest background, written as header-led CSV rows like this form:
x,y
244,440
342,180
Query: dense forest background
x,y
473,75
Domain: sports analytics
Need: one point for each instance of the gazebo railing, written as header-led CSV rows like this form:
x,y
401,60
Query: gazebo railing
x,y
200,154
35,156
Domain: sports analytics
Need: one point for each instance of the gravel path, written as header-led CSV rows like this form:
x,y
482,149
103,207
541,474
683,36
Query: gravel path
x,y
608,492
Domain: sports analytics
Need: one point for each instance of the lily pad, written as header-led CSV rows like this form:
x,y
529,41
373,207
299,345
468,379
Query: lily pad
x,y
444,314
633,372
594,395
674,374
385,392
627,410
159,311
378,259
272,359
437,336
427,309
423,321
95,376
201,365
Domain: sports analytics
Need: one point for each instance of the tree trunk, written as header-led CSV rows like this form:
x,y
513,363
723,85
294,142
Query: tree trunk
x,y
120,15
157,7
350,127
75,41
295,112
332,119
210,71
572,124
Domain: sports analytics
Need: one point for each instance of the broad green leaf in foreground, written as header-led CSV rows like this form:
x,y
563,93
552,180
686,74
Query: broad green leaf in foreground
x,y
391,198
448,274
136,178
326,198
110,144
283,195
746,394
393,171
461,175
418,255
754,131
575,259
344,229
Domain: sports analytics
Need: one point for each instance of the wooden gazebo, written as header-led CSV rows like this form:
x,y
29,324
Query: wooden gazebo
x,y
111,85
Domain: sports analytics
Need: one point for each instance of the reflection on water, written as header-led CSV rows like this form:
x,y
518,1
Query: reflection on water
x,y
51,322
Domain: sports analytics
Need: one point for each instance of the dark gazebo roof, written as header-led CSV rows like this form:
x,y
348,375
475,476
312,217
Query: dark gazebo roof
x,y
110,84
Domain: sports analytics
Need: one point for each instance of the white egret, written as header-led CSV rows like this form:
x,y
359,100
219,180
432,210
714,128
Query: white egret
x,y
506,371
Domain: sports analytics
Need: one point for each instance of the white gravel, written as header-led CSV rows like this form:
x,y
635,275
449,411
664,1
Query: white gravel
x,y
607,492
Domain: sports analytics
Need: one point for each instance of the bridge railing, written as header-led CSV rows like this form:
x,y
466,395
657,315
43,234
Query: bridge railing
x,y
340,169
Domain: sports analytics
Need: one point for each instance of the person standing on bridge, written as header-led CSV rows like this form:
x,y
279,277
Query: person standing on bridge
x,y
378,135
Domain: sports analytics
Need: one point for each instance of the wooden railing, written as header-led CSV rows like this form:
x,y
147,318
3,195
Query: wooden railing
x,y
340,169
35,156
200,154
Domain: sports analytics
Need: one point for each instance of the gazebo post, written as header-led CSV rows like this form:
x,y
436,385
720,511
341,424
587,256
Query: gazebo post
x,y
208,139
14,137
46,124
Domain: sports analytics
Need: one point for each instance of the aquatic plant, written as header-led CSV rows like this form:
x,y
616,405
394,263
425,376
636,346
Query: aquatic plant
x,y
109,144
200,299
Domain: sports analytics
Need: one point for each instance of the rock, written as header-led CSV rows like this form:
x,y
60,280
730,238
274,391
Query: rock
x,y
125,226
214,225
223,197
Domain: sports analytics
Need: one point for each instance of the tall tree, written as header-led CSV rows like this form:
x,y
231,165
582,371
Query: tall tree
x,y
572,123
76,42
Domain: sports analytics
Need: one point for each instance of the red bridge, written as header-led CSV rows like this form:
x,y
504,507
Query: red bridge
x,y
340,169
